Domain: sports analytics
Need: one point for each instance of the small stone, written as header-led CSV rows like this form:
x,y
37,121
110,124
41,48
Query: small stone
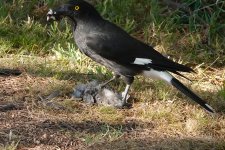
x,y
44,136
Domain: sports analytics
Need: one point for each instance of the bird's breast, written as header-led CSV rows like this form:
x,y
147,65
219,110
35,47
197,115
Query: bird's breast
x,y
80,41
81,36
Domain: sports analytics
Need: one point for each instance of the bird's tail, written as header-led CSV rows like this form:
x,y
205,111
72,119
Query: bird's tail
x,y
163,75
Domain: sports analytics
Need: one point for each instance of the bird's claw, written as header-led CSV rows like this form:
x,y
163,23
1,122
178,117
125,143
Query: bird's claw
x,y
125,97
99,87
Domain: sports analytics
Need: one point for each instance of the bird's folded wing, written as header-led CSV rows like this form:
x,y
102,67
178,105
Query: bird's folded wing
x,y
127,50
111,49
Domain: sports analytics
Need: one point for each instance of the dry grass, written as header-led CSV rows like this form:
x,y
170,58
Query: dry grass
x,y
160,118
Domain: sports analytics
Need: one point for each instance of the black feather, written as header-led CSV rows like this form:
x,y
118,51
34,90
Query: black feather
x,y
191,94
182,75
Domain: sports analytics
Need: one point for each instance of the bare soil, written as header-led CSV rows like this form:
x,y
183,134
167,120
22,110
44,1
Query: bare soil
x,y
30,125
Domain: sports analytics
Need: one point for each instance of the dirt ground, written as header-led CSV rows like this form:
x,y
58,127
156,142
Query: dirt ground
x,y
26,124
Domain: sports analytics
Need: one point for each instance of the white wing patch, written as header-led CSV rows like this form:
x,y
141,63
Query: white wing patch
x,y
142,61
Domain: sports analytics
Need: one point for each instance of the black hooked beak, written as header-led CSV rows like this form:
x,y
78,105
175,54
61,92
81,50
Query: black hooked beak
x,y
57,14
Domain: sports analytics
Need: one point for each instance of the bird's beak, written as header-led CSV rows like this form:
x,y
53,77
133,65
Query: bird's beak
x,y
58,13
51,15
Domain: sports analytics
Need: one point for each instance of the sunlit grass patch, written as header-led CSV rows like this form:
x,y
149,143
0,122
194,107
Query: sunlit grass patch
x,y
12,146
106,133
222,92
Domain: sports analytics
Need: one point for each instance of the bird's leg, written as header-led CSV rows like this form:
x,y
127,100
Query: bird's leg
x,y
128,80
125,93
107,82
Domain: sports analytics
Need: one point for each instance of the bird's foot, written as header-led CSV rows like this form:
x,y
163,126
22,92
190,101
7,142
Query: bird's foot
x,y
100,86
125,98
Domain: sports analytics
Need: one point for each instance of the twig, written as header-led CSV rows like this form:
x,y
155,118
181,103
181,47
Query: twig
x,y
47,103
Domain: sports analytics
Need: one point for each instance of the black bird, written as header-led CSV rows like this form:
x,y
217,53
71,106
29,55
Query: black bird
x,y
111,46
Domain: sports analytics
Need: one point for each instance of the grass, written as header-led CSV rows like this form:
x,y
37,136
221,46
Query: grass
x,y
222,91
191,32
12,146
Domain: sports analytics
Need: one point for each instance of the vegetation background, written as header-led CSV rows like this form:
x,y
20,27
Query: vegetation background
x,y
192,32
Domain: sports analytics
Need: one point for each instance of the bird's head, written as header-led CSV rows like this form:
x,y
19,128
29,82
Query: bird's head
x,y
74,9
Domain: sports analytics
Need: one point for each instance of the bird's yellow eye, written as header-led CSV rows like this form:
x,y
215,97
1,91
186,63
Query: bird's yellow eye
x,y
76,7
